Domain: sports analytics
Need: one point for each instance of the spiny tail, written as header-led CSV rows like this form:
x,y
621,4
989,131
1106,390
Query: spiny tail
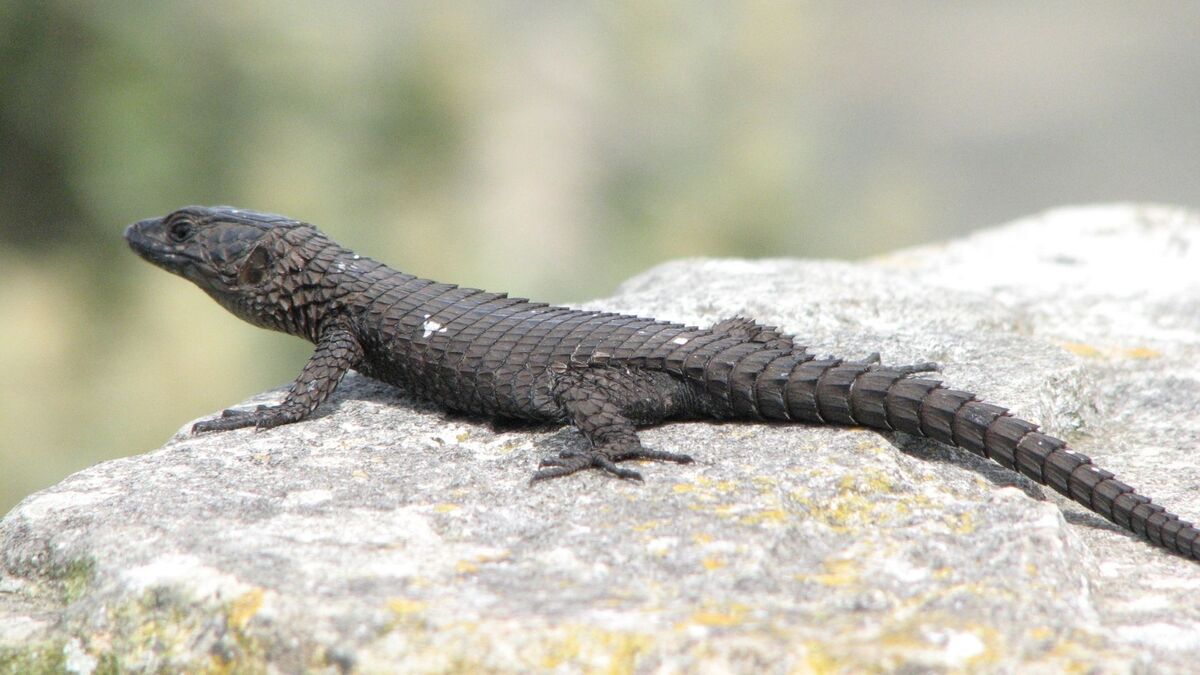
x,y
837,392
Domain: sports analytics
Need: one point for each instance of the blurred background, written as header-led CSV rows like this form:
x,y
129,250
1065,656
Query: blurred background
x,y
546,149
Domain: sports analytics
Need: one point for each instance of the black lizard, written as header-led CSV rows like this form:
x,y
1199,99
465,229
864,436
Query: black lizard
x,y
490,355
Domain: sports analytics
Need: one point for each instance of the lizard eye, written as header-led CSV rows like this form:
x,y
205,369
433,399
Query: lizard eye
x,y
180,231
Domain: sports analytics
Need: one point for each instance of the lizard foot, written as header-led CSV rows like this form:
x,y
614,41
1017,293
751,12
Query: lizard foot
x,y
568,462
262,417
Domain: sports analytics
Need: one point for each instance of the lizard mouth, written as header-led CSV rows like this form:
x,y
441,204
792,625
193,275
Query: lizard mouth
x,y
151,249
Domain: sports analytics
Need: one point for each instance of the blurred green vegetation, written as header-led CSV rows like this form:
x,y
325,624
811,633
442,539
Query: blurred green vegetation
x,y
550,150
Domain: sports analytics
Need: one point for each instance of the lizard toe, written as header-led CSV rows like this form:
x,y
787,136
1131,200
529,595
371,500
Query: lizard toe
x,y
229,419
565,464
655,455
570,461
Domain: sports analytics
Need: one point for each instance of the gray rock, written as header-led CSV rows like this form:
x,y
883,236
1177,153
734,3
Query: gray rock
x,y
385,535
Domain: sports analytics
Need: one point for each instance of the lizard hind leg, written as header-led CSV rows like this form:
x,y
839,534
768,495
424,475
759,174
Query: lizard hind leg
x,y
606,405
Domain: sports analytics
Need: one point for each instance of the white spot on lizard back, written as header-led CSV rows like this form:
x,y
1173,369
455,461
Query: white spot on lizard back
x,y
432,327
680,341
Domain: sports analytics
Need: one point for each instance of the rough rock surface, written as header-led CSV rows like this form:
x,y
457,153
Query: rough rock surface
x,y
385,536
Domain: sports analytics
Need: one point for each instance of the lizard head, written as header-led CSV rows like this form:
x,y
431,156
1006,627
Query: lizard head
x,y
232,254
218,248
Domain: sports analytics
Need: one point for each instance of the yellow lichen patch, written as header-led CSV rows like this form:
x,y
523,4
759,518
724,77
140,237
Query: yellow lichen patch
x,y
1041,633
845,511
594,650
868,498
702,484
472,565
624,649
940,595
965,524
711,564
732,615
405,606
1092,352
562,651
359,473
871,480
937,642
871,443
244,607
706,489
1142,353
1080,349
724,510
838,572
959,645
764,516
462,436
446,508
1069,656
702,538
647,525
818,660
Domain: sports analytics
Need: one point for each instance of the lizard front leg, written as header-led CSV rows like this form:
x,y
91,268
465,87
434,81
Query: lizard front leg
x,y
337,351
590,400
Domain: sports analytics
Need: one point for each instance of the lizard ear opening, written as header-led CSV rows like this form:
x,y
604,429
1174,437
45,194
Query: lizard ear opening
x,y
256,266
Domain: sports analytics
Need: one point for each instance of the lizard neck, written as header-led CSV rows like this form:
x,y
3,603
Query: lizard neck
x,y
315,283
323,284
